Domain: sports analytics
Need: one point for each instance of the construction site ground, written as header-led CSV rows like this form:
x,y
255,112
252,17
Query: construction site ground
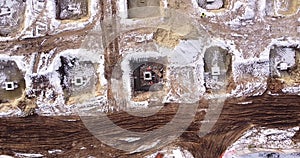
x,y
36,134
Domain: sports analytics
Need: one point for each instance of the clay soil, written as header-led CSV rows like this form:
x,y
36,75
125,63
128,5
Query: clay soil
x,y
36,134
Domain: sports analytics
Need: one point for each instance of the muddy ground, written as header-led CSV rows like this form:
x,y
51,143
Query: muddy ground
x,y
36,134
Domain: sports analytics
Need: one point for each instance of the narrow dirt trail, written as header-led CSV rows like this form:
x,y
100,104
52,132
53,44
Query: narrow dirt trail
x,y
38,134
64,40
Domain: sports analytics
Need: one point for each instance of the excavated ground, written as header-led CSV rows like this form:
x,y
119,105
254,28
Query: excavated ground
x,y
36,134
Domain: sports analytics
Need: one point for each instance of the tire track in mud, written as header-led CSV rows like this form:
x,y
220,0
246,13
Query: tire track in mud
x,y
264,111
38,134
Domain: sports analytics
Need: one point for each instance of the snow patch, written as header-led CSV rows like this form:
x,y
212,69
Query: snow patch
x,y
6,156
28,155
55,151
130,139
267,139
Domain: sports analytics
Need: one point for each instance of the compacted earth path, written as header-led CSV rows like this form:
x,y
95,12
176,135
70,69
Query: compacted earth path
x,y
66,136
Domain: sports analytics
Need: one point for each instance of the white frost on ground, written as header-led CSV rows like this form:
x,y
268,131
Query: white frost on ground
x,y
45,58
172,152
291,90
26,155
82,55
12,112
6,156
264,139
130,139
45,103
250,76
122,8
245,103
93,107
83,148
55,151
20,61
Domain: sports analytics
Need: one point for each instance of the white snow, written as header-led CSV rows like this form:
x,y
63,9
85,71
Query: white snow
x,y
11,112
6,156
250,76
291,90
245,103
93,106
130,139
20,61
122,8
266,139
28,155
83,148
165,3
55,151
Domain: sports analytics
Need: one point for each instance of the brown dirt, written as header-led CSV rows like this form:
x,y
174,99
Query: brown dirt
x,y
275,85
167,38
38,134
61,41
